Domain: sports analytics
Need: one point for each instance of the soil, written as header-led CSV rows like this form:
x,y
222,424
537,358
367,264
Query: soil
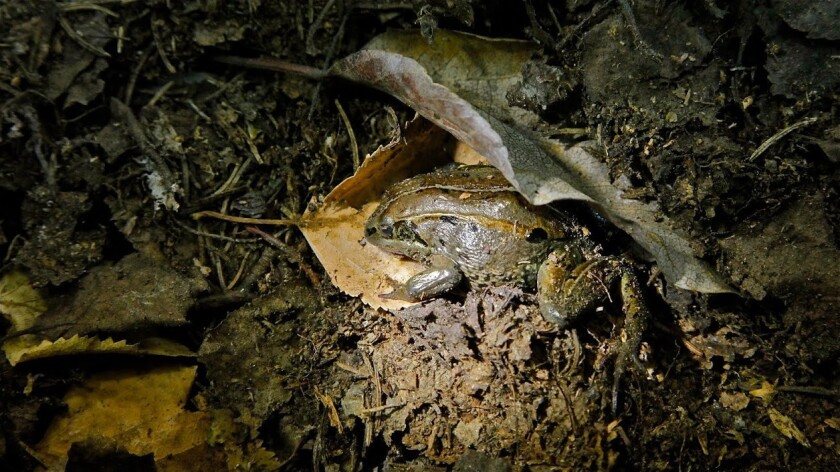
x,y
118,123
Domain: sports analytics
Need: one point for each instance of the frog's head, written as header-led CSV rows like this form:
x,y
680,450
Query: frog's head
x,y
399,236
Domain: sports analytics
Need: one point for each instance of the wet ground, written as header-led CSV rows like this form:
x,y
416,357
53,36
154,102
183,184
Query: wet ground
x,y
118,123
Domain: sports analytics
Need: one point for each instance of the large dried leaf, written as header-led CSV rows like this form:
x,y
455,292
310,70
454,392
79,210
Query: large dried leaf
x,y
541,170
143,412
480,70
31,347
335,230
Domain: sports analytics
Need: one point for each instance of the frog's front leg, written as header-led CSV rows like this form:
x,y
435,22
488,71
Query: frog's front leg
x,y
428,283
636,316
569,285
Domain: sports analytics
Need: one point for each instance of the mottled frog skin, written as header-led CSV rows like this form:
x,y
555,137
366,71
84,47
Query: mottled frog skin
x,y
470,222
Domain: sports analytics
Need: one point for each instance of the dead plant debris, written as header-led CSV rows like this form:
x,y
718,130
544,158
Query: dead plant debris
x,y
139,336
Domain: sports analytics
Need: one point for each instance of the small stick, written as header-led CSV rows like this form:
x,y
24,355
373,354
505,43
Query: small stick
x,y
292,255
267,63
351,134
80,40
781,134
239,219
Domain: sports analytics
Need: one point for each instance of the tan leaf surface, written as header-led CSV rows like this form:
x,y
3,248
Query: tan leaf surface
x,y
459,82
335,230
787,427
20,303
31,347
142,411
480,70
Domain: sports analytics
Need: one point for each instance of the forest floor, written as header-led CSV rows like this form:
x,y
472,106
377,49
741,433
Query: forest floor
x,y
121,121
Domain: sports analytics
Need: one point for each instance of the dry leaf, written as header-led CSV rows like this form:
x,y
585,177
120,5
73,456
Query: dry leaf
x,y
734,401
541,170
786,426
765,392
19,301
335,230
142,411
30,347
459,62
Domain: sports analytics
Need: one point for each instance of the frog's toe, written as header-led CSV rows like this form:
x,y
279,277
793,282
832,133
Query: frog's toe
x,y
636,319
566,291
427,284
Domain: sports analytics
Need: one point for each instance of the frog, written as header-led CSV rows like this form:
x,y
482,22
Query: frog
x,y
470,223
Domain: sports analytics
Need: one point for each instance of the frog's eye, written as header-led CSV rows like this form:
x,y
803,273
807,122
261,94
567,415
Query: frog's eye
x,y
536,235
387,231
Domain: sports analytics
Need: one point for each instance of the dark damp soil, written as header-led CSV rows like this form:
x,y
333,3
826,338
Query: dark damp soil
x,y
106,107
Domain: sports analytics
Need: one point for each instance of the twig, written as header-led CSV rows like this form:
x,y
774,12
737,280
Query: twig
x,y
377,409
809,390
276,65
65,7
781,134
160,93
240,219
75,36
536,30
217,261
627,10
352,135
575,30
239,272
313,28
353,370
161,181
258,269
292,255
161,52
132,81
220,237
327,59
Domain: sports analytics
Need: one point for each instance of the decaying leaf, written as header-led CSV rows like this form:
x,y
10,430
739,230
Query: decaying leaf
x,y
480,70
542,170
143,412
20,302
765,392
30,347
334,231
787,427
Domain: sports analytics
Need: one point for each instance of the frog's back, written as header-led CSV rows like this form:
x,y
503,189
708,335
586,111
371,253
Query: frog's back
x,y
474,217
480,194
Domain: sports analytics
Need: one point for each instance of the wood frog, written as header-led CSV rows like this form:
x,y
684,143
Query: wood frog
x,y
470,222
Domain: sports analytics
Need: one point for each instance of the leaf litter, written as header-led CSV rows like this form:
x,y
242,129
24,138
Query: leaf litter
x,y
542,170
460,381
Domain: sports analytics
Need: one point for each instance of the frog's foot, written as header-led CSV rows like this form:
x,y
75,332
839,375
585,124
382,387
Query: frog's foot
x,y
635,322
568,285
427,284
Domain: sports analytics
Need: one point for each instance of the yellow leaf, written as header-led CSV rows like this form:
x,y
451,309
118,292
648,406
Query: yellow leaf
x,y
141,410
786,426
335,230
19,301
765,392
30,347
